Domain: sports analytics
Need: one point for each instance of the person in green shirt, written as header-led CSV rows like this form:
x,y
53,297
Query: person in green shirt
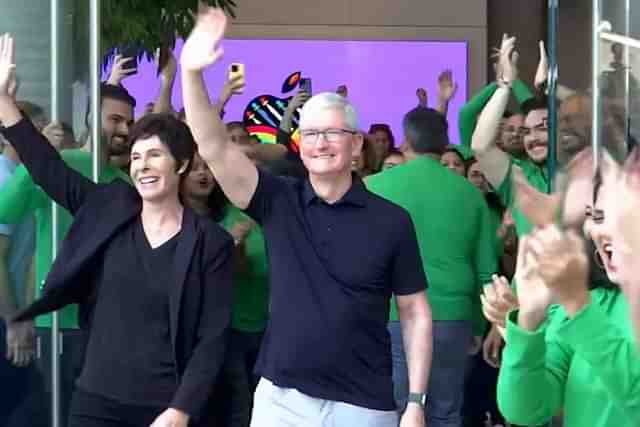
x,y
457,245
20,197
497,165
250,312
578,354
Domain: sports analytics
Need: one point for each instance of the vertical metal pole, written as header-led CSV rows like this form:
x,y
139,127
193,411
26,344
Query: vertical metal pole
x,y
627,72
55,116
552,49
94,28
595,83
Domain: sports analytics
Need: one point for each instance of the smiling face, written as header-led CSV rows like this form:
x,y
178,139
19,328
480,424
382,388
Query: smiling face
x,y
329,158
154,170
511,135
453,162
199,182
117,118
477,178
597,228
536,138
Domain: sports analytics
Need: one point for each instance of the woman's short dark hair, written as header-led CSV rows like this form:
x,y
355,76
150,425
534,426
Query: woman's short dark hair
x,y
172,132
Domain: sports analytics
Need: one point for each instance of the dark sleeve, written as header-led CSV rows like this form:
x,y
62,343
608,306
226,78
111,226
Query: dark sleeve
x,y
261,203
283,138
63,184
407,273
209,352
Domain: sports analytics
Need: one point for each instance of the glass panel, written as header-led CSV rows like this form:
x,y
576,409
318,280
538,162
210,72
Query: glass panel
x,y
620,71
53,70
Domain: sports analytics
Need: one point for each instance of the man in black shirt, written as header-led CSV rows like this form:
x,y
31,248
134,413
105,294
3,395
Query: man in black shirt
x,y
337,253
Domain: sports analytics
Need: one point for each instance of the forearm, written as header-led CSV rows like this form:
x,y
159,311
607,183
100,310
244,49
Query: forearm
x,y
418,345
443,106
202,116
9,112
468,115
287,120
163,103
486,131
8,304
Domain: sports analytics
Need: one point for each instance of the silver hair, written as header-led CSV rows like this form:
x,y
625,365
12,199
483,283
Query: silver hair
x,y
330,101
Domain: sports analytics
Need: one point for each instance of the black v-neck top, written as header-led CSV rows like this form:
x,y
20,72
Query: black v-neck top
x,y
129,355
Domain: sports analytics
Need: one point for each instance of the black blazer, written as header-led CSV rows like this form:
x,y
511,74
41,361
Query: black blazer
x,y
200,303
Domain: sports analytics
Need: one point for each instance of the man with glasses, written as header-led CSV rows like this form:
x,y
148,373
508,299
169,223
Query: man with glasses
x,y
497,165
337,253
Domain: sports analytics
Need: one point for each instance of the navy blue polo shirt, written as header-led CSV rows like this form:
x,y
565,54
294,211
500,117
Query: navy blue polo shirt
x,y
333,270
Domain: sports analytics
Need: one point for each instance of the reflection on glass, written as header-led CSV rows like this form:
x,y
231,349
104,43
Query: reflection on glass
x,y
27,391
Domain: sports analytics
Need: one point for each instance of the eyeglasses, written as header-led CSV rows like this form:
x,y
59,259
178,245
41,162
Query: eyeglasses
x,y
310,136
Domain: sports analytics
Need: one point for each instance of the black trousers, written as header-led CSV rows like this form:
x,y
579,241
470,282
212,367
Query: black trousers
x,y
90,410
232,402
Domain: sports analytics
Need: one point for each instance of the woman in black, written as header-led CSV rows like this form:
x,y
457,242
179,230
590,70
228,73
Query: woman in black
x,y
152,278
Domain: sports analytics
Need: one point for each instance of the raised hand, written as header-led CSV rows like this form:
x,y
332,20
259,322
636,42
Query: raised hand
x,y
542,73
202,48
54,132
8,83
533,296
497,300
118,72
447,88
539,208
562,266
508,60
298,100
234,85
421,93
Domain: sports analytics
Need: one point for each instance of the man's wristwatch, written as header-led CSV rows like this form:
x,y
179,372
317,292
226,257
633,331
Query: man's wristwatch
x,y
419,398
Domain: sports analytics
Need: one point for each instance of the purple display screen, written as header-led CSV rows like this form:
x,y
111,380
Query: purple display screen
x,y
381,76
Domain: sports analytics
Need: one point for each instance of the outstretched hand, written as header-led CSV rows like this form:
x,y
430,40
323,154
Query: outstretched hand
x,y
447,88
118,72
202,48
8,82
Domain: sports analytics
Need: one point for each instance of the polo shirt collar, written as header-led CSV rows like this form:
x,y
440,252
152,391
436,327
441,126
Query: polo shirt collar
x,y
356,195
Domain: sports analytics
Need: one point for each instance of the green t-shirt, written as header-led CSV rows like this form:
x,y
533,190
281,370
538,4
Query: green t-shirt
x,y
469,113
454,231
589,366
20,197
250,311
537,177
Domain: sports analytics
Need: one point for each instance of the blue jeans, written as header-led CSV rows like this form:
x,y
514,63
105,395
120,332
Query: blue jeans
x,y
451,342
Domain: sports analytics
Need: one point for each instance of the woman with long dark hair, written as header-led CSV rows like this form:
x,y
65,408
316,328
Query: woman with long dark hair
x,y
152,278
570,343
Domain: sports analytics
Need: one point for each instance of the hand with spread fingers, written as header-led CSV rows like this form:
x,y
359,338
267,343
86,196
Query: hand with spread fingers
x,y
118,72
8,82
20,343
203,48
447,88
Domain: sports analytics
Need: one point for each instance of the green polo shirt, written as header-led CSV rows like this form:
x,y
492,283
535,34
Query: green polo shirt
x,y
589,366
250,311
537,177
21,197
454,231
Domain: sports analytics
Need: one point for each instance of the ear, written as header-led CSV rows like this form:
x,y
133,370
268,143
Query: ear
x,y
183,167
356,147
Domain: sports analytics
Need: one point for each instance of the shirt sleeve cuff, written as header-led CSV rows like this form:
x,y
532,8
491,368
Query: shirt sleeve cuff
x,y
523,345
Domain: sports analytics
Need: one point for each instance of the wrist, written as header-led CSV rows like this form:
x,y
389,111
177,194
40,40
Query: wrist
x,y
575,304
531,319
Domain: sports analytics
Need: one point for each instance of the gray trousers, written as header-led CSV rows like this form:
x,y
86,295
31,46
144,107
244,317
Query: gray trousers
x,y
286,407
451,343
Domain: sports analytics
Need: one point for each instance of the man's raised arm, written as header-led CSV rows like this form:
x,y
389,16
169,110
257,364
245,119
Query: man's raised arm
x,y
234,171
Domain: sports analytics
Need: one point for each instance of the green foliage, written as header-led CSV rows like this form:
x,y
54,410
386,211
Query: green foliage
x,y
149,24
